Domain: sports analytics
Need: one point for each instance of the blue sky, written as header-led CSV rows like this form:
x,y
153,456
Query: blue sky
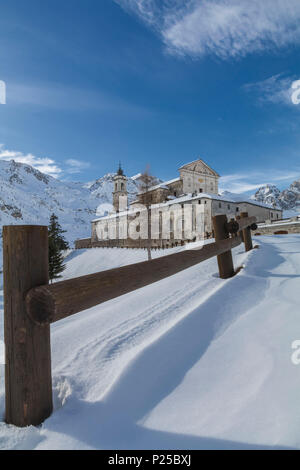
x,y
159,82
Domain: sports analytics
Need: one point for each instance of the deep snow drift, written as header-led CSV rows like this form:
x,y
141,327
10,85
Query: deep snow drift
x,y
192,361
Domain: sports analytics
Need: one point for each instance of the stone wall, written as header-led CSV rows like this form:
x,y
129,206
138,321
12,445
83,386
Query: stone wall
x,y
83,243
129,243
272,229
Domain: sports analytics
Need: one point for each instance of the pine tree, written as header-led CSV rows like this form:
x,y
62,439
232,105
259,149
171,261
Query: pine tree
x,y
57,244
56,266
57,233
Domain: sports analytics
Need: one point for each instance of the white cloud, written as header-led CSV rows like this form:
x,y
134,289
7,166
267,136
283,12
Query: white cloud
x,y
43,164
76,166
251,181
276,89
223,28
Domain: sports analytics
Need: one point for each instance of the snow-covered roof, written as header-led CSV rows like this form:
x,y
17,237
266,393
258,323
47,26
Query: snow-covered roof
x,y
279,224
174,180
114,215
240,198
186,198
136,177
163,185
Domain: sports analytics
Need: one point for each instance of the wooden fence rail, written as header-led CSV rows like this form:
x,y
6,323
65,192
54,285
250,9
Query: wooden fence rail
x,y
31,304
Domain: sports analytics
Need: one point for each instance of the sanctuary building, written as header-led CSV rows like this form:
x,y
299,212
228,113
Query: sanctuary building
x,y
179,211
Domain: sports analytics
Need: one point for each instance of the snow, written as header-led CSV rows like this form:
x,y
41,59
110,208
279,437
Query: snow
x,y
227,196
186,198
288,199
28,196
89,261
192,361
274,225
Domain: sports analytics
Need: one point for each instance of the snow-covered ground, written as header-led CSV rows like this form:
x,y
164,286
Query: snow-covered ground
x,y
192,361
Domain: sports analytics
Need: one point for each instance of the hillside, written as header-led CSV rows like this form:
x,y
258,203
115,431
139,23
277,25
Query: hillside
x,y
28,196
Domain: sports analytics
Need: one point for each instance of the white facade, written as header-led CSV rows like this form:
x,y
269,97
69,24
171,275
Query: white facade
x,y
198,177
211,205
196,188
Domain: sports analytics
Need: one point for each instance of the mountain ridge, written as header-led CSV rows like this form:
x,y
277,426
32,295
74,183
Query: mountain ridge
x,y
28,196
287,199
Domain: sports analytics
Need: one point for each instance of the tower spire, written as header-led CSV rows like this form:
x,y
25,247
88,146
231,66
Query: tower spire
x,y
120,170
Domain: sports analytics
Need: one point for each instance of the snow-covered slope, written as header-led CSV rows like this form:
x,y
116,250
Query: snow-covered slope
x,y
190,362
288,199
102,188
28,196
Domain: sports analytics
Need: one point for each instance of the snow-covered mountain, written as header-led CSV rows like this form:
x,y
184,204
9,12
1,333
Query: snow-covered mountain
x,y
268,194
288,199
28,196
102,188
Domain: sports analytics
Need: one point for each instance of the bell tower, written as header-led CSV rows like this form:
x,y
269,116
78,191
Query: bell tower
x,y
120,194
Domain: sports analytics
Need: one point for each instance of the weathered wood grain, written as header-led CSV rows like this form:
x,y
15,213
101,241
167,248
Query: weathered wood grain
x,y
247,238
50,303
241,223
225,261
27,345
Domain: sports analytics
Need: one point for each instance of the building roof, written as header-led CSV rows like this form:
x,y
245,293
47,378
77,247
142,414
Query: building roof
x,y
163,185
186,198
186,165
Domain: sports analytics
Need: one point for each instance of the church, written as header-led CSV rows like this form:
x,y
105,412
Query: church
x,y
178,204
194,178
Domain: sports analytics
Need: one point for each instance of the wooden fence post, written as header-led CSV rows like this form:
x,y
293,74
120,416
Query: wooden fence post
x,y
225,261
247,238
238,217
28,384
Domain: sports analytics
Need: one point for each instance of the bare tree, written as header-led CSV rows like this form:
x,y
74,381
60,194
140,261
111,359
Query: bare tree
x,y
146,182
